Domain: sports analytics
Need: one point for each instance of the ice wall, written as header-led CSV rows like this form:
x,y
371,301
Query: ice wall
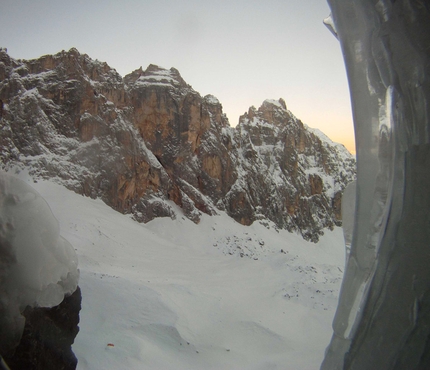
x,y
37,266
383,316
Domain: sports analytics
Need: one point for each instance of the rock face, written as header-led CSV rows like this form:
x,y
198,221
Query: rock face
x,y
288,173
48,336
148,143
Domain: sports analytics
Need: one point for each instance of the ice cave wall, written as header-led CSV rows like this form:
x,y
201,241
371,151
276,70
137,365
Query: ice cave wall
x,y
38,267
383,316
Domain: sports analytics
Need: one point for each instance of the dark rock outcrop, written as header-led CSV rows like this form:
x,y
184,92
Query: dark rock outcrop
x,y
148,143
48,336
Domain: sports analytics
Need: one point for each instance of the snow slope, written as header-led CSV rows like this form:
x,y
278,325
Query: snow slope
x,y
171,294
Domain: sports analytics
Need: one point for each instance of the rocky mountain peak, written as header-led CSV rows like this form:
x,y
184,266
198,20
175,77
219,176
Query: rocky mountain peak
x,y
156,76
148,143
271,104
212,100
272,112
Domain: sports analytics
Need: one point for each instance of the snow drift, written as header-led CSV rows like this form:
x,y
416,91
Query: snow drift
x,y
171,294
37,266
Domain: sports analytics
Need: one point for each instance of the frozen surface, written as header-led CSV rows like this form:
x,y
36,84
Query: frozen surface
x,y
348,216
38,266
383,317
171,294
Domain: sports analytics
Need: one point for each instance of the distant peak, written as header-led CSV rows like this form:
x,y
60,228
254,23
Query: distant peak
x,y
282,102
277,103
153,68
156,75
271,112
211,99
74,51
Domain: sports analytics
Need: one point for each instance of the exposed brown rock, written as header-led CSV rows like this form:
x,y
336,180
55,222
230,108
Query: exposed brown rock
x,y
337,205
316,184
148,139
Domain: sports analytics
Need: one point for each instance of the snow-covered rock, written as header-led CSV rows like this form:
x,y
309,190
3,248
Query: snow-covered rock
x,y
287,172
147,141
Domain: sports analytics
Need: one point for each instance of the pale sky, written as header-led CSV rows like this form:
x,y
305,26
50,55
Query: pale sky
x,y
241,51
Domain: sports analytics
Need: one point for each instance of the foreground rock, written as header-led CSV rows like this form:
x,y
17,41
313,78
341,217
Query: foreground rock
x,y
46,343
383,317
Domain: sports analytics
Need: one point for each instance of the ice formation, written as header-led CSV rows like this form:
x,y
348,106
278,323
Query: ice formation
x,y
383,316
37,266
348,213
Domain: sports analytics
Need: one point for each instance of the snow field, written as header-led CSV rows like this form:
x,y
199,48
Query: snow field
x,y
174,295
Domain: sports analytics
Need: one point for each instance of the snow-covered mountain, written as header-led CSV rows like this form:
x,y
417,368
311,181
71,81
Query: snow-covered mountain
x,y
146,140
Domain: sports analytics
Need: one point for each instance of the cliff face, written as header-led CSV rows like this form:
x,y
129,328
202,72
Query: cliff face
x,y
148,142
290,174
